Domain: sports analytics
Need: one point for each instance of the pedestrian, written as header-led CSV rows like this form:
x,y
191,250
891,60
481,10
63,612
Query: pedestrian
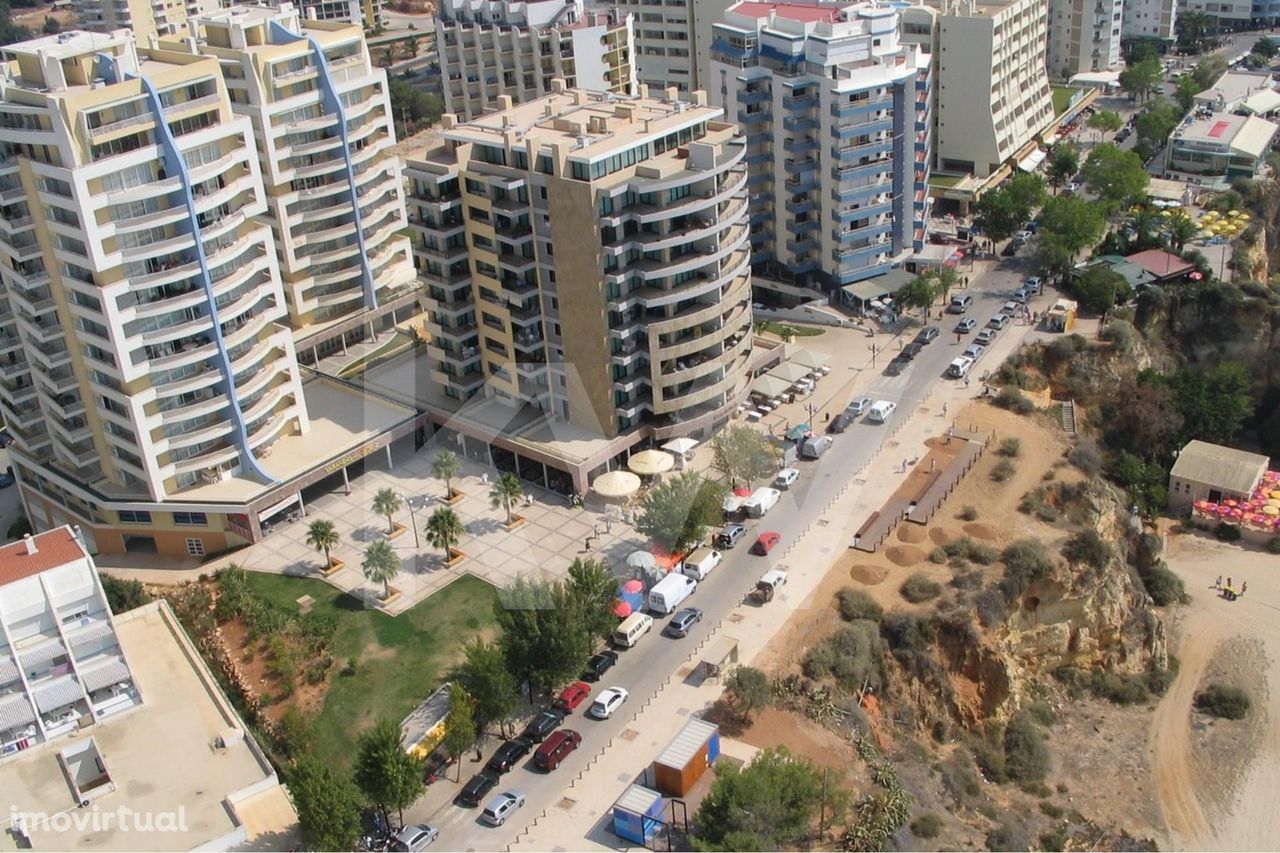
x,y
608,525
484,478
1218,583
944,409
1244,587
966,382
1228,582
586,545
528,500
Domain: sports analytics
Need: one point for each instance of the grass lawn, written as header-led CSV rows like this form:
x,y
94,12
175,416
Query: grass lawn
x,y
1062,96
945,180
800,331
400,660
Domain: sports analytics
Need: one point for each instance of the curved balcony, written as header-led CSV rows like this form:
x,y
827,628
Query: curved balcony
x,y
694,316
653,297
737,150
210,432
736,320
736,238
707,365
218,456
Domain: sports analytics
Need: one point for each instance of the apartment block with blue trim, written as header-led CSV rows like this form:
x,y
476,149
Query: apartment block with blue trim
x,y
836,117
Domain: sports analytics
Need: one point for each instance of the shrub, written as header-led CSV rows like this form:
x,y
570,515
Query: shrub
x,y
907,634
1042,712
123,594
1086,456
853,656
990,759
1025,754
1089,548
968,513
1047,514
966,549
1158,680
20,527
1163,585
938,556
1006,837
1228,703
855,604
1015,401
1227,532
1273,547
1025,562
1004,470
928,825
990,607
919,587
1121,333
966,580
1010,447
1051,810
1119,689
1053,840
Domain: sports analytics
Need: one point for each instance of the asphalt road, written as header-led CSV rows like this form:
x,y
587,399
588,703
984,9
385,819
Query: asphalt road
x,y
643,669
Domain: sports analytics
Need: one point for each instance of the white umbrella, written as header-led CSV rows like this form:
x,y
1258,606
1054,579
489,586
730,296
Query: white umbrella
x,y
616,484
650,462
642,560
680,446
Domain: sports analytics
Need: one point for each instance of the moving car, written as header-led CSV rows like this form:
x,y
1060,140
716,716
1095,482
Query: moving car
x,y
895,367
683,620
881,411
967,325
729,536
543,724
911,350
959,304
477,786
858,407
786,478
765,542
607,702
506,756
501,807
555,748
601,662
571,697
411,839
986,336
927,334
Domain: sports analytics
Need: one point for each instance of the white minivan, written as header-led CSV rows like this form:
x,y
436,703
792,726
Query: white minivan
x,y
700,563
880,411
959,367
761,501
632,629
667,593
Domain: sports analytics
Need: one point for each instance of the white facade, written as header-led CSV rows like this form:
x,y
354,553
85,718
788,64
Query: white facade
x,y
489,48
673,41
1154,19
1084,36
1230,14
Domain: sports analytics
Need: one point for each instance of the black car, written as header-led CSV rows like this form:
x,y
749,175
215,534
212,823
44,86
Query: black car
x,y
506,756
927,334
475,789
911,350
1010,250
896,366
841,422
599,665
542,725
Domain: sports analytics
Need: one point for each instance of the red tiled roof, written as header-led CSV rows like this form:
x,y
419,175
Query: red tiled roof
x,y
54,548
804,12
1160,264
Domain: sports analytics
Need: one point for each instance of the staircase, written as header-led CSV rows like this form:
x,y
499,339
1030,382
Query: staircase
x,y
1068,416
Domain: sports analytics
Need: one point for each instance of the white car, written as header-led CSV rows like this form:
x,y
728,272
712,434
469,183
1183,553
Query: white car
x,y
786,478
881,411
858,407
1034,284
1023,235
1011,309
986,336
999,321
608,701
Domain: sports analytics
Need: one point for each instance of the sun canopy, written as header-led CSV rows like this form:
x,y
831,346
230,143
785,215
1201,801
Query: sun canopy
x,y
790,372
616,484
809,359
769,386
680,446
647,463
798,431
1032,161
642,560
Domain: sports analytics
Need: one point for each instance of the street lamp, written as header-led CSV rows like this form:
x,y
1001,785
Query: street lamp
x,y
413,521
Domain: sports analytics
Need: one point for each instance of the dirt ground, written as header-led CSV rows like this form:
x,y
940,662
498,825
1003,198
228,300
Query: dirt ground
x,y
33,19
255,666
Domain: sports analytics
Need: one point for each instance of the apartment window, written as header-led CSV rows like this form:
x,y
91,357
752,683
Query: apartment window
x,y
544,166
195,547
134,516
191,518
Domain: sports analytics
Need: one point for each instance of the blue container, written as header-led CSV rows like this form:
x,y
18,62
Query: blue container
x,y
635,599
637,814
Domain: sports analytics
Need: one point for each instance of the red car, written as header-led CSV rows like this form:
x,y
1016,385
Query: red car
x,y
572,697
765,542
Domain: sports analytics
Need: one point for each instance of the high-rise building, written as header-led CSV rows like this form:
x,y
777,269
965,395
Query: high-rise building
x,y
321,114
837,119
1229,15
144,17
1084,36
489,48
673,41
1149,19
588,255
991,87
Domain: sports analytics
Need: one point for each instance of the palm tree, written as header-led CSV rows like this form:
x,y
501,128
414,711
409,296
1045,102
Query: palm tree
x,y
1146,222
1181,229
444,530
506,492
1193,27
381,564
446,467
322,536
387,502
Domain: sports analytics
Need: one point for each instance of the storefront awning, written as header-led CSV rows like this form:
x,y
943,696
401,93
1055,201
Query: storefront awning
x,y
1032,161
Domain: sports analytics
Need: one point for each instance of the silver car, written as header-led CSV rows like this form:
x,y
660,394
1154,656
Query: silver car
x,y
411,839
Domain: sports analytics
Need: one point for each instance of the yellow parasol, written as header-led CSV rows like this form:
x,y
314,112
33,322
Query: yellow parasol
x,y
1233,212
1270,510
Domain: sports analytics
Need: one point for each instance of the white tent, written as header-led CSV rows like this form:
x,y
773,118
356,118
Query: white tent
x,y
769,386
810,359
790,372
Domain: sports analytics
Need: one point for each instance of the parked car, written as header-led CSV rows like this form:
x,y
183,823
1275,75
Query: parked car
x,y
1011,309
959,304
607,702
998,322
475,789
967,325
1123,134
985,337
858,407
683,620
911,350
6,480
601,662
895,367
6,438
974,351
1033,227
1024,235
571,697
786,478
927,334
765,542
506,756
501,807
1034,284
1010,250
411,839
729,536
555,748
542,724
881,411
841,422
1073,188
1021,295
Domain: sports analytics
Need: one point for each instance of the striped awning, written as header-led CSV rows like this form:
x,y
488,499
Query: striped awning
x,y
41,653
58,694
107,674
8,670
15,711
97,630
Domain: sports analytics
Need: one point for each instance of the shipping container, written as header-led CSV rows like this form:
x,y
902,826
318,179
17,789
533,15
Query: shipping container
x,y
686,758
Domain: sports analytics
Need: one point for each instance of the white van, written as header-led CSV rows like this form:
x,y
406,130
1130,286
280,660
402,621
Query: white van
x,y
959,367
700,563
667,593
632,629
761,501
959,304
880,411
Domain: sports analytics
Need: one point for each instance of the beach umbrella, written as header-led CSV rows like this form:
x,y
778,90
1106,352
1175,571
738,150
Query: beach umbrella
x,y
648,463
798,431
642,560
633,586
1233,212
617,484
1271,510
621,609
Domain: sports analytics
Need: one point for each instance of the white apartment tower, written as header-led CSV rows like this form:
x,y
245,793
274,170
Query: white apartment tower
x,y
145,18
1149,19
489,48
588,255
837,119
142,312
1084,36
673,41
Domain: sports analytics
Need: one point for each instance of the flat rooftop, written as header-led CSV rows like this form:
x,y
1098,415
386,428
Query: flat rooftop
x,y
68,45
342,419
1241,134
1236,85
803,12
160,756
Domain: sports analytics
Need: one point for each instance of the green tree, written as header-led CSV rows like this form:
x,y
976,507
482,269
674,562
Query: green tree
x,y
1182,229
413,108
328,806
1115,176
1146,224
323,536
543,637
920,292
460,730
52,26
1005,209
1142,417
593,590
1214,401
768,805
1185,90
1154,125
677,513
444,530
744,454
1063,163
1209,70
1193,27
1100,288
387,775
749,689
488,682
381,564
1141,81
446,467
506,492
1068,226
123,594
1106,121
1265,48
387,502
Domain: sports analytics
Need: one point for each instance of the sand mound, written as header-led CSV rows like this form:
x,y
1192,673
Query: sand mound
x,y
904,555
869,575
979,530
942,535
911,533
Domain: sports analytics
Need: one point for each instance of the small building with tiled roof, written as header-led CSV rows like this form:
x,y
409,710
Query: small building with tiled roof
x,y
1161,265
1211,472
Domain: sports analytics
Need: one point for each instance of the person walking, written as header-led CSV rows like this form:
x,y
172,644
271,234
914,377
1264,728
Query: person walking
x,y
1218,583
1244,587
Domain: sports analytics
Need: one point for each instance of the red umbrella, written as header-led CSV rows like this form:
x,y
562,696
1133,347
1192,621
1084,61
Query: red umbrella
x,y
633,586
621,609
740,492
1195,276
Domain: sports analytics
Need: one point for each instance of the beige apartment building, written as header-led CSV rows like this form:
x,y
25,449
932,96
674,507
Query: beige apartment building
x,y
587,256
1084,36
673,41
